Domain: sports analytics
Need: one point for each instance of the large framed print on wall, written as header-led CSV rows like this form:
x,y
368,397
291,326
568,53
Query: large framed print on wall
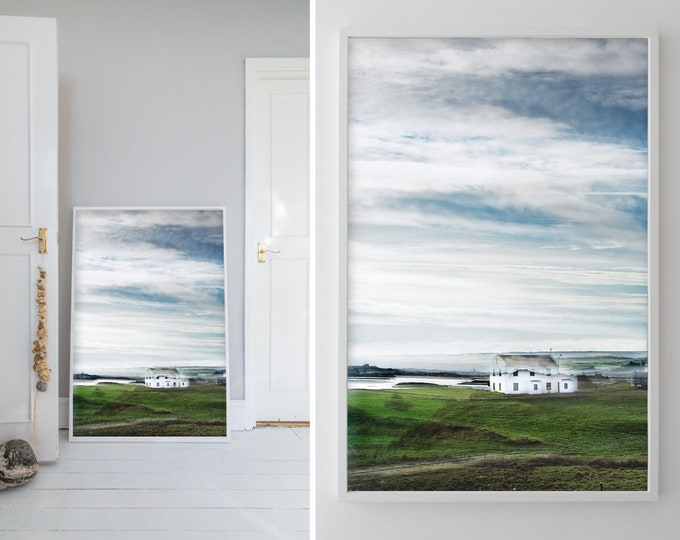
x,y
500,263
149,328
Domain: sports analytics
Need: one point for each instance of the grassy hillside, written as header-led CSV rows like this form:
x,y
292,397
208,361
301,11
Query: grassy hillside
x,y
434,438
135,411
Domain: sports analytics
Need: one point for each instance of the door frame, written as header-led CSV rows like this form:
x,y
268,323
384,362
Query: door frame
x,y
257,69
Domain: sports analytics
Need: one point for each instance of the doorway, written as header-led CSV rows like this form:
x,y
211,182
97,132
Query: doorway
x,y
277,240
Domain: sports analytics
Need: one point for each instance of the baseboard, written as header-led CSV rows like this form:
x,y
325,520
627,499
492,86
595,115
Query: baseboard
x,y
279,423
237,415
63,412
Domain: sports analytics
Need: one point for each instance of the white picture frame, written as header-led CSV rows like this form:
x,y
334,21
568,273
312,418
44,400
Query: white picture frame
x,y
149,326
378,495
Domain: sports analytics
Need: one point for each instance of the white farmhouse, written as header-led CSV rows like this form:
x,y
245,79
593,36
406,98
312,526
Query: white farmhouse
x,y
529,374
165,378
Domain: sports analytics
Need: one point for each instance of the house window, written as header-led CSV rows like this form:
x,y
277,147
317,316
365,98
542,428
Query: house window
x,y
566,385
515,373
494,386
535,386
531,373
515,387
499,387
547,371
548,386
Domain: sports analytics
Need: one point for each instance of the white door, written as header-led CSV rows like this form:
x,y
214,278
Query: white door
x,y
277,239
28,202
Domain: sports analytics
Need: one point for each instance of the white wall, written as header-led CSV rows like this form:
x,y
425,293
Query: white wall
x,y
336,519
152,113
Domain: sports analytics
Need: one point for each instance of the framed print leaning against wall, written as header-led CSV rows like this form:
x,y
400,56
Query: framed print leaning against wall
x,y
501,268
149,330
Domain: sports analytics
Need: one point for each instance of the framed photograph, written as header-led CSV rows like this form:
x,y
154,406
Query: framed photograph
x,y
501,299
148,325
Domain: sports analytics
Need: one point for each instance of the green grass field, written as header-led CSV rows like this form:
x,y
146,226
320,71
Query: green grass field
x,y
121,410
439,438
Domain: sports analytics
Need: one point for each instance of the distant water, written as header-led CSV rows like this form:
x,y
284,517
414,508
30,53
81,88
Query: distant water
x,y
611,364
135,375
93,382
381,383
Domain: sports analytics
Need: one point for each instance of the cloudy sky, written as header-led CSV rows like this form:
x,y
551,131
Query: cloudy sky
x,y
497,196
149,289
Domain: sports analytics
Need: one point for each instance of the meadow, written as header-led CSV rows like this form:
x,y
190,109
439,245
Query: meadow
x,y
126,410
461,439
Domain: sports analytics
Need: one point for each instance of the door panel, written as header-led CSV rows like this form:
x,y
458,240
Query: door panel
x,y
14,143
289,163
28,202
16,335
289,301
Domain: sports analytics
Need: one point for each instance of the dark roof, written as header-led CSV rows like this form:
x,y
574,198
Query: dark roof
x,y
527,360
164,371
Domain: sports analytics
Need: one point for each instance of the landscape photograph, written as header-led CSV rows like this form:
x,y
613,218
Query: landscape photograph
x,y
498,264
149,342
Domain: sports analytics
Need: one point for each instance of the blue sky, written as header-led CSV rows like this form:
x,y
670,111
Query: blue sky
x,y
149,289
497,196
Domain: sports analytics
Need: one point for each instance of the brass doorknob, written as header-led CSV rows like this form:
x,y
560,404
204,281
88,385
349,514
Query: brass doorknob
x,y
262,250
41,238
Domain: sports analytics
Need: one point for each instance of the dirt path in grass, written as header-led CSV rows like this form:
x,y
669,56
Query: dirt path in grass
x,y
503,472
146,427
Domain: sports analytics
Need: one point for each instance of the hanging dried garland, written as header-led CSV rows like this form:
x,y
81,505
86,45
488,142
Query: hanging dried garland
x,y
40,344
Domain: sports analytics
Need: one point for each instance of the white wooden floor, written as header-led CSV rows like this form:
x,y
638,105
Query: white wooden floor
x,y
254,487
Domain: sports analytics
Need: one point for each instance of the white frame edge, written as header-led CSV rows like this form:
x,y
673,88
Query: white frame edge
x,y
119,439
651,494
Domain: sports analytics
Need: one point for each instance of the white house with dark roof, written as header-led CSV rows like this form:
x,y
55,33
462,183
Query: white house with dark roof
x,y
529,374
165,378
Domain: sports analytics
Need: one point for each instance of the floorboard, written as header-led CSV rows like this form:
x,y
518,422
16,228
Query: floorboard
x,y
254,487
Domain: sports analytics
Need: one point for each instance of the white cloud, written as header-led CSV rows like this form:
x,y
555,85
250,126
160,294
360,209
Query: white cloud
x,y
140,300
480,223
407,59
